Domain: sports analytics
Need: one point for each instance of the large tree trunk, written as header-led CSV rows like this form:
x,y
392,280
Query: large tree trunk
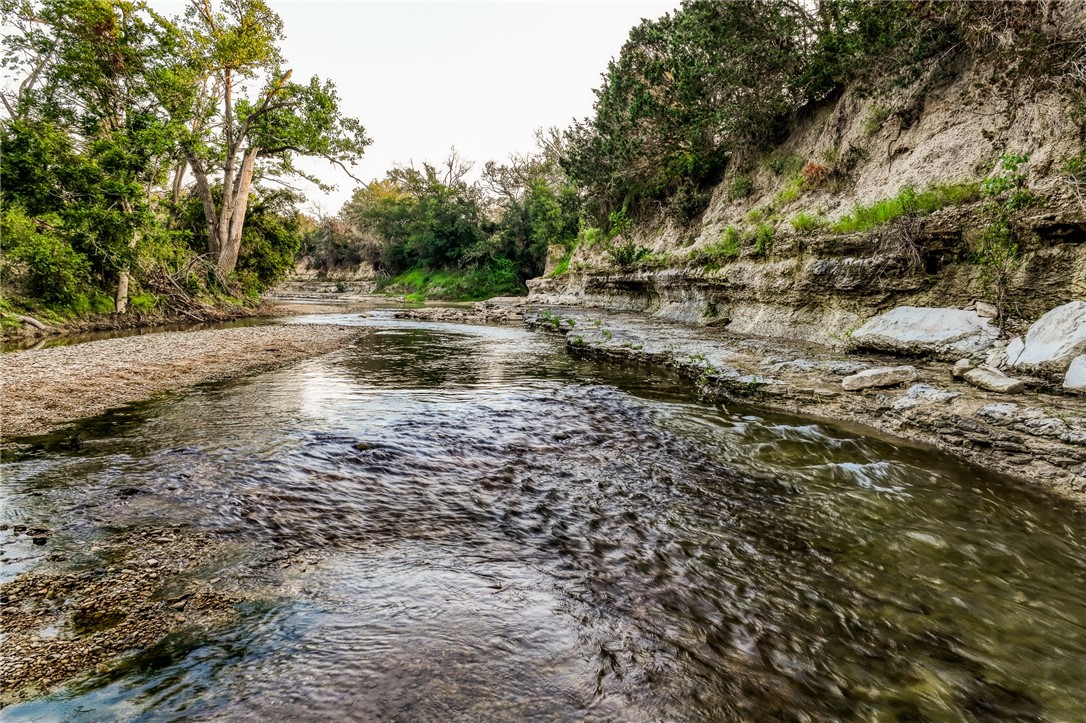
x,y
120,301
203,190
228,253
178,182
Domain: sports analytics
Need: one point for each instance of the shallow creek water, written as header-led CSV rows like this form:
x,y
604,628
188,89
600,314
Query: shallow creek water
x,y
494,530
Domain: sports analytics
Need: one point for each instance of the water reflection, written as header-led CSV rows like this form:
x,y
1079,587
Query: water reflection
x,y
504,533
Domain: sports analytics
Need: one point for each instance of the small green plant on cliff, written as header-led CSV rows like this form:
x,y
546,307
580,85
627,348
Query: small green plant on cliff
x,y
763,236
876,116
783,164
1074,169
562,266
741,187
1074,174
657,260
807,222
996,249
909,202
576,341
724,248
627,253
791,190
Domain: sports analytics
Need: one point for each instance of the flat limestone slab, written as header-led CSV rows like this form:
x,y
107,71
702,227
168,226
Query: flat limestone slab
x,y
879,377
927,331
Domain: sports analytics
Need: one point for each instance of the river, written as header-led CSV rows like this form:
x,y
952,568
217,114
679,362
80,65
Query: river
x,y
490,529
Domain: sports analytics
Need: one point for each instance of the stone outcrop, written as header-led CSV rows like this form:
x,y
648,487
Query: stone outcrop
x,y
879,377
919,331
1041,439
1052,342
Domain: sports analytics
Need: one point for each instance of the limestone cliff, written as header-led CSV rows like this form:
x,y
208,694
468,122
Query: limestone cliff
x,y
768,256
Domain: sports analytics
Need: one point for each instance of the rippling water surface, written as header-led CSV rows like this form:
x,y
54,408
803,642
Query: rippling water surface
x,y
496,531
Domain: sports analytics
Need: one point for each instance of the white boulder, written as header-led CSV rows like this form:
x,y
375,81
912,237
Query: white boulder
x,y
922,331
1075,379
879,377
1053,341
1014,350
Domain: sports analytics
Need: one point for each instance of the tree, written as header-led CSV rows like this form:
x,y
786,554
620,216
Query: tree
x,y
231,135
93,68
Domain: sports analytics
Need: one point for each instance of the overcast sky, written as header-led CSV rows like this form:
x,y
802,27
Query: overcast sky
x,y
425,76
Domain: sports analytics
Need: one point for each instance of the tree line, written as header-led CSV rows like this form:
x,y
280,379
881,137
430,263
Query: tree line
x,y
710,86
143,147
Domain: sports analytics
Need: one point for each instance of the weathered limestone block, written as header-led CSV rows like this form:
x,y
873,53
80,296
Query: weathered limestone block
x,y
879,377
994,381
1053,341
1014,350
924,394
961,367
997,357
1075,379
922,331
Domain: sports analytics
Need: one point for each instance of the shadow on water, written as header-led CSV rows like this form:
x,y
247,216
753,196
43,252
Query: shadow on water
x,y
82,337
502,532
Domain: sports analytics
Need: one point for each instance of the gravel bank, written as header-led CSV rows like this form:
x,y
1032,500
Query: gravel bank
x,y
46,388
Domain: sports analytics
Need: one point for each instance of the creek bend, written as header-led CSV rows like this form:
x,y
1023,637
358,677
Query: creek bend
x,y
465,523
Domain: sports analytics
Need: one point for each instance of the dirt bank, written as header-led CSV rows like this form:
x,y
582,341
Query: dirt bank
x,y
46,388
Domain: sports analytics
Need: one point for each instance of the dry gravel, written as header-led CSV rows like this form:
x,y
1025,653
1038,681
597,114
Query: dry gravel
x,y
46,388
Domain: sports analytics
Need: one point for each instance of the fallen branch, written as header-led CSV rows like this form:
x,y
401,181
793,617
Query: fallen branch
x,y
29,320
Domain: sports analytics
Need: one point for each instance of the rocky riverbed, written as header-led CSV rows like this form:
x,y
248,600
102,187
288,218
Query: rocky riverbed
x,y
46,388
1038,436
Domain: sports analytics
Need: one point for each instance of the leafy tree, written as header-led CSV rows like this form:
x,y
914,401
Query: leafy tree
x,y
231,136
94,69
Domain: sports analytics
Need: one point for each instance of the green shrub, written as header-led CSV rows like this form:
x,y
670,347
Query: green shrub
x,y
1074,170
876,116
726,247
55,272
763,236
688,203
619,223
805,222
563,264
783,164
741,187
626,254
496,278
143,302
907,202
792,189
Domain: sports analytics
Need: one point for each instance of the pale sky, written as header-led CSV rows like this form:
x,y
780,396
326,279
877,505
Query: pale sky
x,y
425,76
